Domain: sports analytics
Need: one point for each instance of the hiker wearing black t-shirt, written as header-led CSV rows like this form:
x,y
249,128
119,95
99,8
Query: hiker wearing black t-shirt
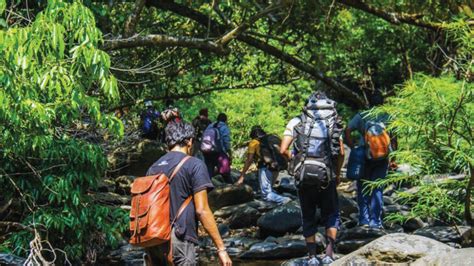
x,y
316,160
191,180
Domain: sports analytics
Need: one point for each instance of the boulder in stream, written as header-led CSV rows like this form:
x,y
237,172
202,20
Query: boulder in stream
x,y
396,248
229,195
281,220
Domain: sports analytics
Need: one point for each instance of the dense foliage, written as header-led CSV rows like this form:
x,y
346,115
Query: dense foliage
x,y
53,79
433,117
63,65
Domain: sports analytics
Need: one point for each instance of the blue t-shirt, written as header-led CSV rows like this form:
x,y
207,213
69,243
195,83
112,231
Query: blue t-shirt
x,y
193,177
359,123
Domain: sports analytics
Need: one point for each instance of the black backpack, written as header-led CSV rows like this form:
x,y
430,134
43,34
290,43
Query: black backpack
x,y
270,155
316,143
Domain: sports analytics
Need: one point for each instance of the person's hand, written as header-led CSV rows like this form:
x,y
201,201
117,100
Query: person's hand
x,y
240,181
224,258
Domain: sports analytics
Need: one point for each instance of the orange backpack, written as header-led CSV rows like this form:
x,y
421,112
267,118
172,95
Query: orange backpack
x,y
377,141
150,222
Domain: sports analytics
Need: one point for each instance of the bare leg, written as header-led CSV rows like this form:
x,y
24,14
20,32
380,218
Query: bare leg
x,y
331,234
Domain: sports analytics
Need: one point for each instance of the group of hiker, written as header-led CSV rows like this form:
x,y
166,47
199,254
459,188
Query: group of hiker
x,y
311,150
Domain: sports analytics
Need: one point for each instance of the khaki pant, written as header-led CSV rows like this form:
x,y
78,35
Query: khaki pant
x,y
183,253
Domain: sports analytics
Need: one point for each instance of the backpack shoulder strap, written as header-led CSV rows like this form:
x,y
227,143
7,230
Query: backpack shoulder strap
x,y
182,208
188,199
178,167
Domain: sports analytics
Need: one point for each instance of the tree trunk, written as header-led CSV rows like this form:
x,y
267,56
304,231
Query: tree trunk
x,y
467,203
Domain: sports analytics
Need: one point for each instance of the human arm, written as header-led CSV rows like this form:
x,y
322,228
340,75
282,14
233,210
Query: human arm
x,y
206,217
285,146
339,162
347,137
247,164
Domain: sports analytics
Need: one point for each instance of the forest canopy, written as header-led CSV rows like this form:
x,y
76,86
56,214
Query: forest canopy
x,y
67,66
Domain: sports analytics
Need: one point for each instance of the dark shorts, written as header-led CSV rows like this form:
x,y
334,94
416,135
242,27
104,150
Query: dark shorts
x,y
184,253
326,200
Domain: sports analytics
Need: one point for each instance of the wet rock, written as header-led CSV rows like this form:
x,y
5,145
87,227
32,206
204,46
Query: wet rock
x,y
281,220
127,255
388,200
245,242
218,181
229,195
124,184
468,238
394,208
320,240
262,206
413,224
287,185
395,248
459,257
226,212
444,233
251,179
224,230
361,233
147,152
348,222
270,250
271,239
111,198
259,205
406,169
9,259
233,251
106,185
348,246
243,218
347,206
135,158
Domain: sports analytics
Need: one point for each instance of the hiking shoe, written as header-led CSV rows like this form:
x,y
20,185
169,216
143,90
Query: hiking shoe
x,y
285,201
379,227
327,260
312,261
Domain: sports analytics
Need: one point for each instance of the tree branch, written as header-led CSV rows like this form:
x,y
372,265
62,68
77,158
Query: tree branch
x,y
7,224
305,67
206,91
164,41
267,48
247,24
392,17
132,20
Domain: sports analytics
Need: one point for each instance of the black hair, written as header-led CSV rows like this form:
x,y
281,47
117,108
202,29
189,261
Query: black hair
x,y
376,99
178,133
222,117
257,132
204,112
